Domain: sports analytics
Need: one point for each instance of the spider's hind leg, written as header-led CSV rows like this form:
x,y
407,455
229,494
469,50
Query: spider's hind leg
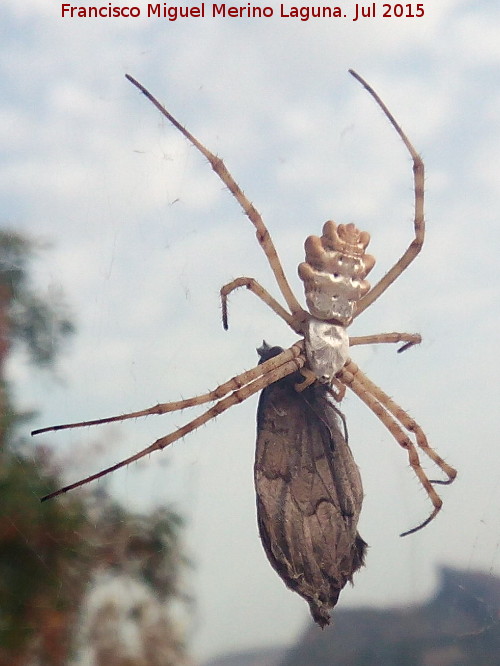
x,y
418,221
262,233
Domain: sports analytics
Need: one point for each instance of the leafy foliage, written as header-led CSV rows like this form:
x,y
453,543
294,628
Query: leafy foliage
x,y
51,554
39,324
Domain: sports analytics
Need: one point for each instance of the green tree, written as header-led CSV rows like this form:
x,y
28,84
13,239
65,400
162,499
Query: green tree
x,y
52,556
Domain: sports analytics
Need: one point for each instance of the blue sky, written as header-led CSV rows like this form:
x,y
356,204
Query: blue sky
x,y
142,235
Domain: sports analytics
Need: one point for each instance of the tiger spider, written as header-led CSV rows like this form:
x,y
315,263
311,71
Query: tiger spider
x,y
337,292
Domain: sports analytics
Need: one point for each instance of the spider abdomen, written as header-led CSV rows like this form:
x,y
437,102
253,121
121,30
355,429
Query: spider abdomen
x,y
334,271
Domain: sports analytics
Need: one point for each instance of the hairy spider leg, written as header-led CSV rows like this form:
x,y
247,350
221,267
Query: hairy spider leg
x,y
249,209
418,223
273,374
393,417
219,392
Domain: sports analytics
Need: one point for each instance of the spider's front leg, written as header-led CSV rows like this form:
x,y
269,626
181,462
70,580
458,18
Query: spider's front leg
x,y
393,417
220,391
260,377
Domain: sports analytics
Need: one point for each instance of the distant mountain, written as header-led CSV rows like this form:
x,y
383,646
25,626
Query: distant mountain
x,y
459,626
270,657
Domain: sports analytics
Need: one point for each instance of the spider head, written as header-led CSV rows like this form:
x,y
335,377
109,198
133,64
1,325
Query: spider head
x,y
334,271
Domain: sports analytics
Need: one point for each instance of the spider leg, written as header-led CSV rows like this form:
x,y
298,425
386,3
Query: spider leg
x,y
337,389
392,416
250,211
406,421
219,392
264,295
409,339
418,223
272,375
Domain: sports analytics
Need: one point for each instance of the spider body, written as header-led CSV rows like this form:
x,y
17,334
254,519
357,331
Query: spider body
x,y
334,272
334,275
327,348
309,491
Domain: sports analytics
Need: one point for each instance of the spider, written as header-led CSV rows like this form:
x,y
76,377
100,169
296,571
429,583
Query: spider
x,y
337,292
